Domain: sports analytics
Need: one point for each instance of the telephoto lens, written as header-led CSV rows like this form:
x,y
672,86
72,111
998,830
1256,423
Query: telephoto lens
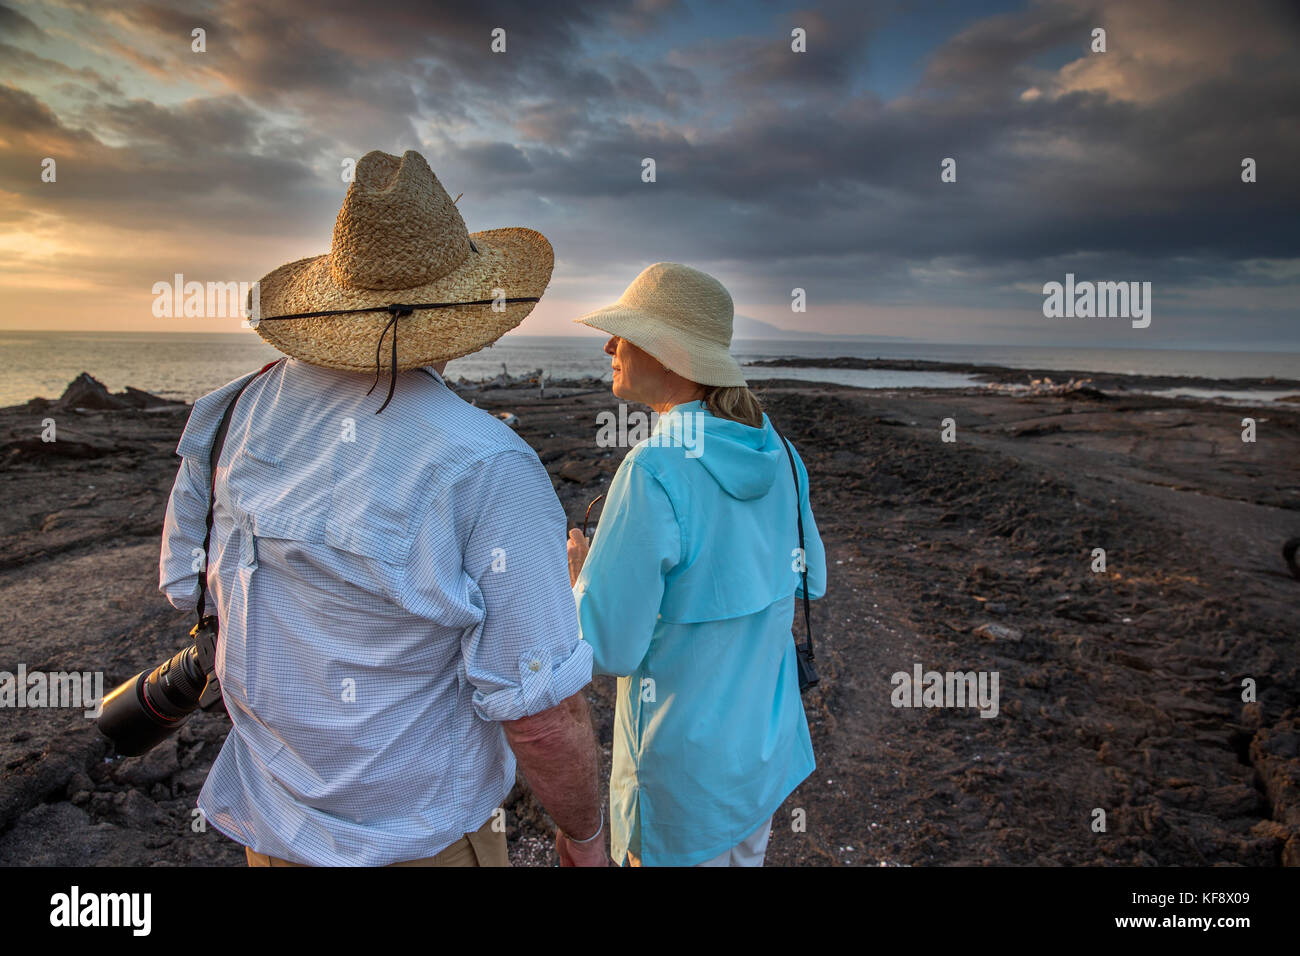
x,y
141,713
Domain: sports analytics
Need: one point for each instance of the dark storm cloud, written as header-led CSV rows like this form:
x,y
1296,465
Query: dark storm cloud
x,y
642,16
490,158
301,46
836,35
783,166
16,26
313,84
992,57
183,131
185,164
1133,180
24,117
21,64
671,89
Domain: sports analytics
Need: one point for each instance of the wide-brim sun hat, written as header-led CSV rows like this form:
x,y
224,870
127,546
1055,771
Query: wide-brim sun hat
x,y
681,316
399,240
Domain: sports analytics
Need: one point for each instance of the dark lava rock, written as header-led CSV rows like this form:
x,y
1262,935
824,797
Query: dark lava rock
x,y
582,472
155,766
86,391
41,837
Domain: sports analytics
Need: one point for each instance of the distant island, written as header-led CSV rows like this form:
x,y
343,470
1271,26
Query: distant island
x,y
744,327
1003,375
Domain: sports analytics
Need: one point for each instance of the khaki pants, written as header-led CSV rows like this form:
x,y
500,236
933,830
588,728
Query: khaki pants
x,y
484,847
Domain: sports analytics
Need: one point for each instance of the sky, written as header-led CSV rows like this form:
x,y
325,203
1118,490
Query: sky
x,y
775,169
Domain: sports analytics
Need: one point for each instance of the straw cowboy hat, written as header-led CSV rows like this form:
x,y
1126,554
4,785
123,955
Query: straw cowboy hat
x,y
401,255
679,315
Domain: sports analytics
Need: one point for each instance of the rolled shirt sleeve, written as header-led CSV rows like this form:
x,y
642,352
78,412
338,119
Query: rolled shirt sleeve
x,y
526,655
182,558
619,591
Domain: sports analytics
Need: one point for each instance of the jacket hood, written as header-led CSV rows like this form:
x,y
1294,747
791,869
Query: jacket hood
x,y
744,461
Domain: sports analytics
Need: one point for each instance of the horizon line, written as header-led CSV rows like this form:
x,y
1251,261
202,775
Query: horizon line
x,y
827,337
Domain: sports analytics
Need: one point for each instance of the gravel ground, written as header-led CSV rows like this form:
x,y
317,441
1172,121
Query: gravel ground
x,y
1119,691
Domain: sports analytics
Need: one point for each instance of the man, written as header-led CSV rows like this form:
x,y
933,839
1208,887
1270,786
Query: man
x,y
397,629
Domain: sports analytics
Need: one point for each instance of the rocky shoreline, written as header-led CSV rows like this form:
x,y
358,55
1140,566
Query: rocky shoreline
x,y
1121,690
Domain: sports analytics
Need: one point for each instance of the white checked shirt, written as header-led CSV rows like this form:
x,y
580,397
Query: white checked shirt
x,y
390,587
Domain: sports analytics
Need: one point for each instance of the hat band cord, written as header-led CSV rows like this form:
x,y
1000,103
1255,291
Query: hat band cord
x,y
397,311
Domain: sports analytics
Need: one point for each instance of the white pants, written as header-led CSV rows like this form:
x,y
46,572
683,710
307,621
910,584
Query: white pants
x,y
748,852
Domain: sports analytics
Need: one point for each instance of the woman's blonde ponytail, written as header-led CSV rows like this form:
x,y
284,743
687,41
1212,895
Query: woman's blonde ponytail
x,y
736,403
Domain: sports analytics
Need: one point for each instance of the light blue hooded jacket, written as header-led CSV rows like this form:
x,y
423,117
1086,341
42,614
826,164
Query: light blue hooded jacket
x,y
688,597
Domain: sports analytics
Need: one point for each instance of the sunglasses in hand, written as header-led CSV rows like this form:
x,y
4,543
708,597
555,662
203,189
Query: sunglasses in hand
x,y
587,517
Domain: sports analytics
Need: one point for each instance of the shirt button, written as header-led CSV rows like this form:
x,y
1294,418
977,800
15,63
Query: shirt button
x,y
535,665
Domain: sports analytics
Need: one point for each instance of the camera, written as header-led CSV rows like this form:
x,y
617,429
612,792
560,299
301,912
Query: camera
x,y
144,711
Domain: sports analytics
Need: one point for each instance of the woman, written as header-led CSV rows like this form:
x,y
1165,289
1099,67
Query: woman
x,y
687,594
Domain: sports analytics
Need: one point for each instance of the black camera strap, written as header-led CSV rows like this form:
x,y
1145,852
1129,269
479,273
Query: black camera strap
x,y
214,456
803,555
805,658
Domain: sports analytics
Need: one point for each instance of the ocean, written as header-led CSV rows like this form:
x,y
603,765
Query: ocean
x,y
186,365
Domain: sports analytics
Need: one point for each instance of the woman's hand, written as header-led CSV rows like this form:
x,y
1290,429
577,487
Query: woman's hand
x,y
579,545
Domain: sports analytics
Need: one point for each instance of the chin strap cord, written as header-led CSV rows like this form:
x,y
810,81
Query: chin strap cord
x,y
397,310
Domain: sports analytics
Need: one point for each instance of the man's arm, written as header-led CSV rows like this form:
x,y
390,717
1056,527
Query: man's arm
x,y
526,661
182,558
556,752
